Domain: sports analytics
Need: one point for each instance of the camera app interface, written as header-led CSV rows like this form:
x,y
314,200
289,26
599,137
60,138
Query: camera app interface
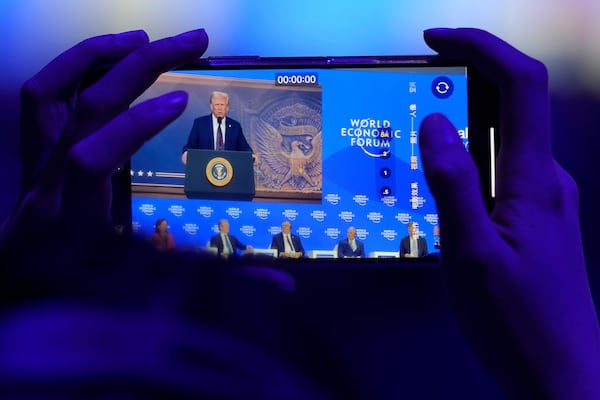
x,y
331,149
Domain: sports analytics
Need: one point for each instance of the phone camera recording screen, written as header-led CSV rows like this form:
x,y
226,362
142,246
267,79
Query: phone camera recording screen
x,y
326,154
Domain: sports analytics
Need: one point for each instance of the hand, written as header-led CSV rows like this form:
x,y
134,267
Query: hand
x,y
76,132
184,158
524,304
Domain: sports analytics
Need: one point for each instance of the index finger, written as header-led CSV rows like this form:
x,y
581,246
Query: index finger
x,y
61,77
524,108
127,80
45,96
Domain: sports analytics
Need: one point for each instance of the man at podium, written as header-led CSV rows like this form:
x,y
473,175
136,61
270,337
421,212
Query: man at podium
x,y
216,131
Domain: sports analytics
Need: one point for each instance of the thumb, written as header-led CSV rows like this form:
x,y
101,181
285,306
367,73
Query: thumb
x,y
454,182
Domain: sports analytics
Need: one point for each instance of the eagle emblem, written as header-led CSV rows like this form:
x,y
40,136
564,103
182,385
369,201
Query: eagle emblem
x,y
289,141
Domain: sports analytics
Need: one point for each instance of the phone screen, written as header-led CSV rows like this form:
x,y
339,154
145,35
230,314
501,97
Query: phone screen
x,y
333,149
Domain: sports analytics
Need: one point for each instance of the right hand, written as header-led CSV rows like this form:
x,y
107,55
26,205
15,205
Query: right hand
x,y
525,307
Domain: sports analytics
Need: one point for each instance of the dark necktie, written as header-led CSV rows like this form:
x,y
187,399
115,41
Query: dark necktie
x,y
290,243
219,135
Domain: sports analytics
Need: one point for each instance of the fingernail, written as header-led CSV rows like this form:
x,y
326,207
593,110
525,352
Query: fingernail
x,y
173,102
131,38
438,30
434,33
193,38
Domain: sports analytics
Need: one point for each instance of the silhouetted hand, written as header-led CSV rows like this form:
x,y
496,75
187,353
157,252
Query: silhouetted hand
x,y
517,277
77,127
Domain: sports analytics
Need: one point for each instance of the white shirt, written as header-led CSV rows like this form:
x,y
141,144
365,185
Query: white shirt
x,y
414,246
287,243
353,244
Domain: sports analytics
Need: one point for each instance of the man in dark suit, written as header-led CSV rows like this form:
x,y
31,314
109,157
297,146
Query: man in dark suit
x,y
216,131
350,247
225,243
413,245
287,244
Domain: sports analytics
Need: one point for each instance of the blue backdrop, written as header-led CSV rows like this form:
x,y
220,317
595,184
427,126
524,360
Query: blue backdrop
x,y
365,115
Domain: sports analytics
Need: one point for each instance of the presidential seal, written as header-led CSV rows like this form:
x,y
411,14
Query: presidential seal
x,y
219,171
289,140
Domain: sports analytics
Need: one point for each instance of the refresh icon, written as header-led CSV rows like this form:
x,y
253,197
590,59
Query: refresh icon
x,y
442,87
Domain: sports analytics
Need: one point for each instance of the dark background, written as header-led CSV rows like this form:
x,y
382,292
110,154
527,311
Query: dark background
x,y
429,358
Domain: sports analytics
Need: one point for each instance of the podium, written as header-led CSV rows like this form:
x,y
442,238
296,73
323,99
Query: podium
x,y
227,175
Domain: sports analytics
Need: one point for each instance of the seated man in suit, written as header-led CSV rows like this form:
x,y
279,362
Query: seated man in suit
x,y
287,244
413,245
225,243
350,247
210,133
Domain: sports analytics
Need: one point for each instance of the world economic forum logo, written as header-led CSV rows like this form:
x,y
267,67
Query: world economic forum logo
x,y
318,215
205,211
234,212
375,217
191,229
248,230
262,213
333,233
304,231
346,216
403,218
432,219
177,210
373,136
389,234
290,214
148,209
333,198
274,230
362,233
361,199
389,201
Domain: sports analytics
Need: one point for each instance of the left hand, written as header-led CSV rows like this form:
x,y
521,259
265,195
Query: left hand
x,y
75,133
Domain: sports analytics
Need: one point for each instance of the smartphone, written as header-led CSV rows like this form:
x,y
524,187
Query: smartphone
x,y
334,144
